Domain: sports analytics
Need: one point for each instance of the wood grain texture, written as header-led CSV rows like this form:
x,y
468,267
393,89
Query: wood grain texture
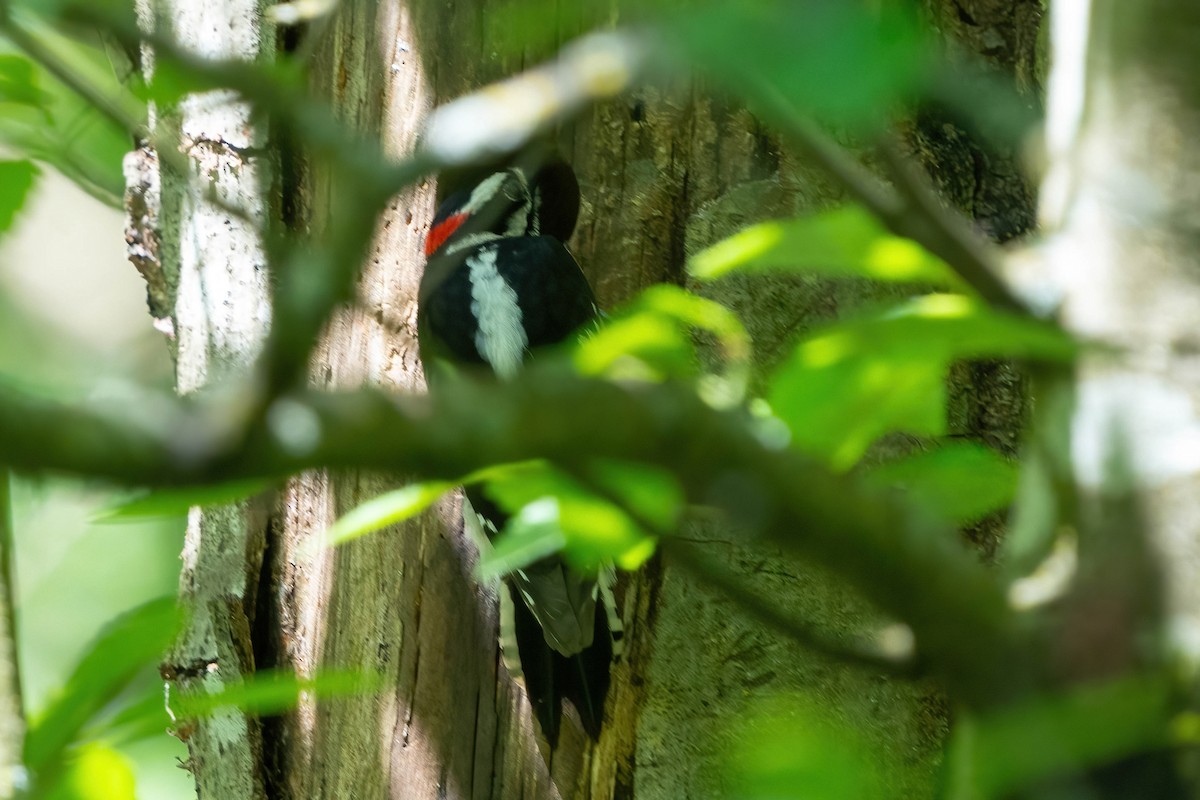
x,y
402,603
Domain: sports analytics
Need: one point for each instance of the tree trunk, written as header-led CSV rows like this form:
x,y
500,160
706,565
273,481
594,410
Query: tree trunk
x,y
202,255
402,602
1119,206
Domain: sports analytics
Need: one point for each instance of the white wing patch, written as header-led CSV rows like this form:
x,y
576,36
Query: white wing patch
x,y
501,338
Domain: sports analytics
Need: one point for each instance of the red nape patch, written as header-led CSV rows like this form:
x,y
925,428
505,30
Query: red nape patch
x,y
439,233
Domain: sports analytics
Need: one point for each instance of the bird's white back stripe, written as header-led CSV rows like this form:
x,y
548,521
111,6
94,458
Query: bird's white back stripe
x,y
501,338
616,627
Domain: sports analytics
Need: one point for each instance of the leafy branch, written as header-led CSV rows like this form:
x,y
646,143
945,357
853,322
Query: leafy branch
x,y
910,565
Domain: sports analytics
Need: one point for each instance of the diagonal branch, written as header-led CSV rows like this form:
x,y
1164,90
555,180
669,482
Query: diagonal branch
x,y
807,634
911,210
690,558
911,567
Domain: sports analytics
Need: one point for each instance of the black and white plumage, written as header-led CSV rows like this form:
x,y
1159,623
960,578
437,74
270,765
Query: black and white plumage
x,y
499,283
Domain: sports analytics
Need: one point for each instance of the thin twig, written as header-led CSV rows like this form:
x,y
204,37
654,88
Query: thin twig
x,y
914,569
688,556
36,49
949,236
166,149
806,633
12,716
912,211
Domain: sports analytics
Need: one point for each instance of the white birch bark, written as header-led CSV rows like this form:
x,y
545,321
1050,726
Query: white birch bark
x,y
1119,204
200,237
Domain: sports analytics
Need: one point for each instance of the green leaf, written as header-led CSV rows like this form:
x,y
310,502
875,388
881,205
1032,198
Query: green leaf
x,y
272,692
794,749
960,481
553,511
995,755
142,716
386,509
846,242
845,386
128,644
16,179
64,130
18,82
177,502
836,410
95,772
638,347
650,339
534,532
652,493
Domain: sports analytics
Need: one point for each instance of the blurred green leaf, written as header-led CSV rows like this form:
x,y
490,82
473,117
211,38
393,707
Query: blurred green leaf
x,y
794,749
18,82
125,646
532,533
16,179
64,130
272,692
639,347
651,493
960,481
140,717
95,772
177,502
842,63
845,386
650,339
836,410
386,509
553,511
984,101
995,755
844,242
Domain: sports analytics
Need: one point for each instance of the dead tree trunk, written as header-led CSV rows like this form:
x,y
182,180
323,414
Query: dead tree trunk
x,y
202,254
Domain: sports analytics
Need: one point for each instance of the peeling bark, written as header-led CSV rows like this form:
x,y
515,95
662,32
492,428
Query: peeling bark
x,y
205,268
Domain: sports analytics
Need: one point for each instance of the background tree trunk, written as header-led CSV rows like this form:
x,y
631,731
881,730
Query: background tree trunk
x,y
1119,206
664,171
204,261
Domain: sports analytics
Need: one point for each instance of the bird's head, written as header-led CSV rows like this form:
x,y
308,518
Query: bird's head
x,y
506,202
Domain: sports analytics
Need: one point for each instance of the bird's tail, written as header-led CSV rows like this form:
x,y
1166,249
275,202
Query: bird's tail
x,y
551,677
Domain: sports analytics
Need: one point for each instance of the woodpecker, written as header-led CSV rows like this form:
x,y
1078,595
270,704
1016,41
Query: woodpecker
x,y
499,284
